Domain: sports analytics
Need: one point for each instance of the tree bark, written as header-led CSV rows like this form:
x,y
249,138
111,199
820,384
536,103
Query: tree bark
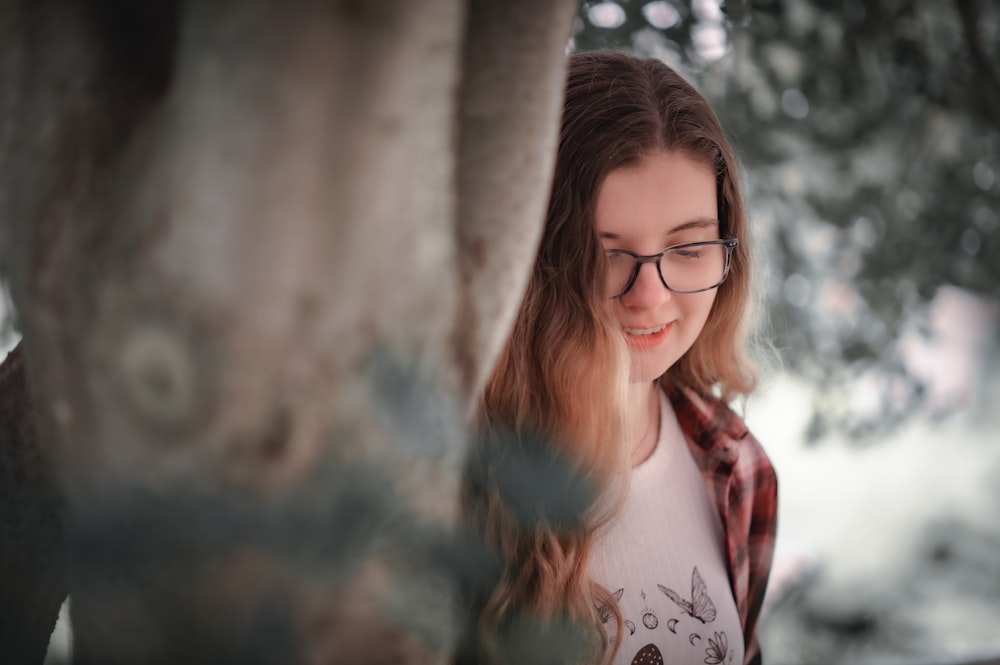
x,y
264,254
514,70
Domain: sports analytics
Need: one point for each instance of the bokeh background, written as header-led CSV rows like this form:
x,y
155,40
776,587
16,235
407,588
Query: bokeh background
x,y
869,133
870,137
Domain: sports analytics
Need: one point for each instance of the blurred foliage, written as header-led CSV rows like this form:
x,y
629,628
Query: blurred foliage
x,y
870,133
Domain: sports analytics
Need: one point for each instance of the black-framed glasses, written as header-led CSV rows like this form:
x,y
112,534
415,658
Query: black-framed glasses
x,y
687,268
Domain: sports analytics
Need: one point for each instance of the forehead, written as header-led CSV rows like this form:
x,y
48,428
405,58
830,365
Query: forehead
x,y
663,192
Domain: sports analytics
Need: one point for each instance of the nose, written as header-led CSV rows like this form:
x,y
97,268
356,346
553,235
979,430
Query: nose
x,y
648,291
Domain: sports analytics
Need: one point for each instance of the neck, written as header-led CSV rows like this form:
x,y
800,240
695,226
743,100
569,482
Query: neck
x,y
644,415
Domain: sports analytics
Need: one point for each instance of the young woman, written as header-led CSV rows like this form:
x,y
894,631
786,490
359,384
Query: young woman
x,y
630,511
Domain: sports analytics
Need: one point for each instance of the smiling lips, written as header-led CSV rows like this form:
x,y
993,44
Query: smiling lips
x,y
646,338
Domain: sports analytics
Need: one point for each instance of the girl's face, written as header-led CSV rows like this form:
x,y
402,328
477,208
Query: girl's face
x,y
666,200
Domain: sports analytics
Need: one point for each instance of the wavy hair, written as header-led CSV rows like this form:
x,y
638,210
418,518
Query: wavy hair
x,y
560,379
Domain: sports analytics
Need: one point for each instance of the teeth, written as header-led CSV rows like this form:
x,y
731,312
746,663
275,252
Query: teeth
x,y
644,331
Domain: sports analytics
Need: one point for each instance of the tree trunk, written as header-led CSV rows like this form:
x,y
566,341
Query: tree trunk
x,y
264,254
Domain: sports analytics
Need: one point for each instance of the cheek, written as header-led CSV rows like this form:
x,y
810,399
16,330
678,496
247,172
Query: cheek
x,y
696,316
705,309
616,309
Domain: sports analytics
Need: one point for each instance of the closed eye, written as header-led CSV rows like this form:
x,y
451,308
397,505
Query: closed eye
x,y
688,253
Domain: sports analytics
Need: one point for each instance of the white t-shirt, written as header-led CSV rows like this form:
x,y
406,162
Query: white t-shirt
x,y
663,558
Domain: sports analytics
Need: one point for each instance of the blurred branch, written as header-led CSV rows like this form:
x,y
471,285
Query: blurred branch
x,y
33,568
968,10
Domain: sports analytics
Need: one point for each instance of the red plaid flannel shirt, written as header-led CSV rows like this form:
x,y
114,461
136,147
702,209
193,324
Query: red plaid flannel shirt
x,y
743,483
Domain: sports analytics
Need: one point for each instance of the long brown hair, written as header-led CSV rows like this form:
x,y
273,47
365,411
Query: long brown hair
x,y
560,378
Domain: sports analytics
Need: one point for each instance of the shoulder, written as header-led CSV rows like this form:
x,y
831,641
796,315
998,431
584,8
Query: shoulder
x,y
719,434
709,421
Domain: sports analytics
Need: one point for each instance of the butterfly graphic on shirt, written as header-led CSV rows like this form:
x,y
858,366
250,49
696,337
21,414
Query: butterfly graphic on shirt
x,y
604,609
700,606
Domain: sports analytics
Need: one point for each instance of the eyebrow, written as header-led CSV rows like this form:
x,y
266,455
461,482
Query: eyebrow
x,y
696,223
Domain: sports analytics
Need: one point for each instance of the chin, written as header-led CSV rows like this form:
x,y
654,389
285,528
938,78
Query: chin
x,y
644,371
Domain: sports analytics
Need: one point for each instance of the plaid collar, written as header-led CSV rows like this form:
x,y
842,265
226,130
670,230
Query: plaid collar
x,y
713,429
